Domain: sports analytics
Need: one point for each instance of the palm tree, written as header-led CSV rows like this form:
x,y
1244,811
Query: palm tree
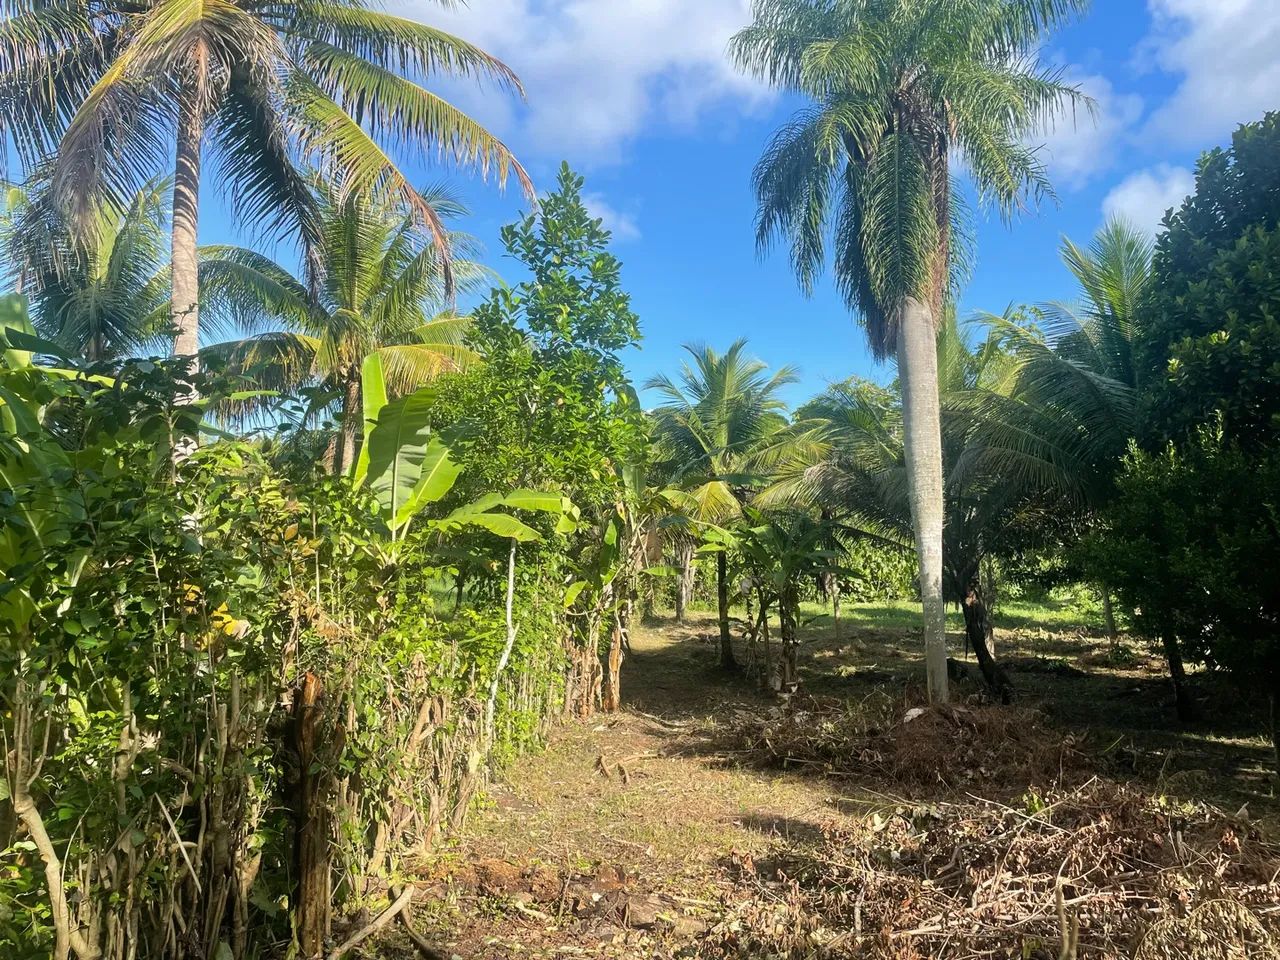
x,y
897,87
1076,364
108,87
375,310
861,475
721,429
1075,405
99,293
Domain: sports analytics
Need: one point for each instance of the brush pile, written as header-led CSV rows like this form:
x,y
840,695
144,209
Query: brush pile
x,y
915,749
1062,866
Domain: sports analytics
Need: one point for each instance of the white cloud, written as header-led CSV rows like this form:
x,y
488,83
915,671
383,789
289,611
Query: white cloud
x,y
623,226
599,72
1144,197
1225,52
1080,145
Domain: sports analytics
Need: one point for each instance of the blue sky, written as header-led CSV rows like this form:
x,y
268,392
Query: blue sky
x,y
636,95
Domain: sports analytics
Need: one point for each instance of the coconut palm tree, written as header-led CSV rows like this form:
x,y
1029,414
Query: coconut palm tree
x,y
896,89
1068,422
721,429
109,88
99,293
375,313
1076,363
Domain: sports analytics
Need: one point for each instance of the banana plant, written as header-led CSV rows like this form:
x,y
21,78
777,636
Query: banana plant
x,y
408,469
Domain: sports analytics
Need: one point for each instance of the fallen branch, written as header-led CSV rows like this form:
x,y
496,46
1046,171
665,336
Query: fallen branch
x,y
673,724
424,948
374,925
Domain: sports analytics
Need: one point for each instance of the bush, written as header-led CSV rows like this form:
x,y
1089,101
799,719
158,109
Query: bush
x,y
163,629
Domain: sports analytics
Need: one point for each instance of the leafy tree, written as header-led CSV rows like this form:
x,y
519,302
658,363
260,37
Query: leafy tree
x,y
720,430
1074,406
551,406
1066,424
897,87
782,549
99,293
373,316
1199,499
1209,338
104,88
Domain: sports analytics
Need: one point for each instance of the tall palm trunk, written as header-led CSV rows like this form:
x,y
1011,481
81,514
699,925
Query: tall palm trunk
x,y
722,596
922,429
185,304
351,420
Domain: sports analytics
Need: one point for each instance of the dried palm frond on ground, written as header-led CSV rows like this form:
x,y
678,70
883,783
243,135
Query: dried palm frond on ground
x,y
1097,871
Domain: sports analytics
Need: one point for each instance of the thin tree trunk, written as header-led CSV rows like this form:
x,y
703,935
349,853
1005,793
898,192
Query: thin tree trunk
x,y
684,589
922,428
613,680
185,307
460,586
835,604
1183,704
977,625
351,421
506,650
311,843
727,661
788,626
1109,616
762,634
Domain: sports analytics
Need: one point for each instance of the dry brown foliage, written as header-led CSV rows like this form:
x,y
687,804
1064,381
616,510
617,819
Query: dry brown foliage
x,y
917,749
1081,867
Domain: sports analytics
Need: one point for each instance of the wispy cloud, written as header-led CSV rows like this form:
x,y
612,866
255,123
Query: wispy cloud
x,y
623,226
1082,144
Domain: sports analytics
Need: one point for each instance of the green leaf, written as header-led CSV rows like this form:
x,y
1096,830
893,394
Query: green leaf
x,y
373,389
571,595
437,475
15,322
501,524
408,468
660,571
537,500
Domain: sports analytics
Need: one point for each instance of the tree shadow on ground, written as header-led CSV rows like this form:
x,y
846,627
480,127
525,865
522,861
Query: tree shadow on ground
x,y
1118,709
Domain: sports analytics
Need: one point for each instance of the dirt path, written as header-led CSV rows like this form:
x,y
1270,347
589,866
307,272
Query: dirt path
x,y
620,839
634,835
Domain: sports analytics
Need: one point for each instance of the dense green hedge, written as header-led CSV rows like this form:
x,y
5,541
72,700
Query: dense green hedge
x,y
159,626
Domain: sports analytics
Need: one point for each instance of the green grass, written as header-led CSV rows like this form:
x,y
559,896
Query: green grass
x,y
1010,615
1046,613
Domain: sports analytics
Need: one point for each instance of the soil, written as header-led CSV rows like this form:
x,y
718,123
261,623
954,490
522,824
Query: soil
x,y
641,834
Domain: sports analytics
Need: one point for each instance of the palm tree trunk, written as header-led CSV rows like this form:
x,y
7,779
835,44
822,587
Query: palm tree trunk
x,y
185,305
922,429
722,596
351,421
981,636
684,588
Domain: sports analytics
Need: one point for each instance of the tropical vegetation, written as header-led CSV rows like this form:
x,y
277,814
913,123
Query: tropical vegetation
x,y
304,540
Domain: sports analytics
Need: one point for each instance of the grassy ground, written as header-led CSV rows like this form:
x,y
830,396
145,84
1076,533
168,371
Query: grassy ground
x,y
629,835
